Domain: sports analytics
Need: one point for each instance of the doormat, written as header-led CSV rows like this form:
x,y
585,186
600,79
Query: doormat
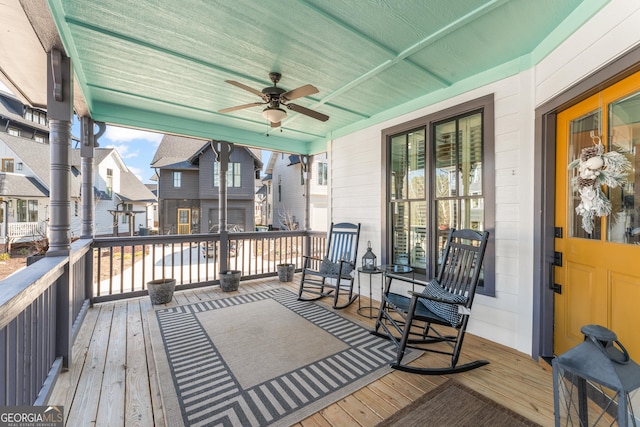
x,y
454,404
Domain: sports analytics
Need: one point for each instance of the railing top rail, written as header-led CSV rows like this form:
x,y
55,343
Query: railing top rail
x,y
102,242
266,234
21,288
79,248
105,242
317,233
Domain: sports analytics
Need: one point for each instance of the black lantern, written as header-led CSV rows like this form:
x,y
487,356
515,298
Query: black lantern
x,y
593,382
369,259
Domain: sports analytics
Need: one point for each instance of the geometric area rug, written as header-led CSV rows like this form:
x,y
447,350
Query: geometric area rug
x,y
260,359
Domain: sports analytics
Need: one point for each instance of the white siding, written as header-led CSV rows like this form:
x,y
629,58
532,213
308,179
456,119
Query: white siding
x,y
507,318
293,193
318,220
356,185
291,201
103,220
610,33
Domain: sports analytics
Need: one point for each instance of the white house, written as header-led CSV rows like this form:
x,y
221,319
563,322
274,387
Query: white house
x,y
289,196
25,192
122,201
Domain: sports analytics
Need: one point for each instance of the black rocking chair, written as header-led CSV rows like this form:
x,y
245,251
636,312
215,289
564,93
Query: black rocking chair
x,y
410,320
332,275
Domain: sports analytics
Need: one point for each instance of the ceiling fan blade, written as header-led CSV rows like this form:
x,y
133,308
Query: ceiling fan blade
x,y
239,107
275,125
299,92
247,88
307,112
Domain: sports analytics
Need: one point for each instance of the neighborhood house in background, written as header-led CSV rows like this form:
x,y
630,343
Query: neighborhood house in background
x,y
122,203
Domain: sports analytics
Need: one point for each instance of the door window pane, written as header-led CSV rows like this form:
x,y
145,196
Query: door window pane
x,y
580,137
624,136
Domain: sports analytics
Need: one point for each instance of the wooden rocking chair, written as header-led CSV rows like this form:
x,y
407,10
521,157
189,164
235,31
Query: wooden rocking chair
x,y
332,275
410,320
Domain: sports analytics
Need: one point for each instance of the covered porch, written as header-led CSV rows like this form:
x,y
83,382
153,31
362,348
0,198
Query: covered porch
x,y
380,73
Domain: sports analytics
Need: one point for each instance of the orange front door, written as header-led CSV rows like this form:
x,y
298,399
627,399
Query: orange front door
x,y
184,221
600,271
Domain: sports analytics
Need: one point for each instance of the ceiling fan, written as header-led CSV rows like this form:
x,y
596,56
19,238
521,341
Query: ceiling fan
x,y
275,98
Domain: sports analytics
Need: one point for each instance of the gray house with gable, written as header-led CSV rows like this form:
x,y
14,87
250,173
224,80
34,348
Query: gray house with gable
x,y
188,186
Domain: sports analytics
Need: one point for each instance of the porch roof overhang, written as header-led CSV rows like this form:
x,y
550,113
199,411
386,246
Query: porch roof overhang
x,y
161,66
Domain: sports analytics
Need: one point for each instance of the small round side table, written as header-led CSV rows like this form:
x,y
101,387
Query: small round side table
x,y
370,307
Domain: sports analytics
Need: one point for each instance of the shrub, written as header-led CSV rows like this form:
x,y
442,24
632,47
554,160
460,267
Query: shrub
x,y
5,256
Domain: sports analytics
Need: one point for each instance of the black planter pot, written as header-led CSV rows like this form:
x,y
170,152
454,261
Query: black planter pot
x,y
229,280
285,272
161,290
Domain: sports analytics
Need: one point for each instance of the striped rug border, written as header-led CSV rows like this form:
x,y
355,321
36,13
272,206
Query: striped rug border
x,y
209,394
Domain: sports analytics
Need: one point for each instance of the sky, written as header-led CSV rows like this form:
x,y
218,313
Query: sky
x,y
136,147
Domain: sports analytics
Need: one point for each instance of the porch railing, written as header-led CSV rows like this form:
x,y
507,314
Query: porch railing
x,y
42,306
124,265
18,230
41,310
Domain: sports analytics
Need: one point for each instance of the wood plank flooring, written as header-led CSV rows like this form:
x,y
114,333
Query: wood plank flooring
x,y
113,381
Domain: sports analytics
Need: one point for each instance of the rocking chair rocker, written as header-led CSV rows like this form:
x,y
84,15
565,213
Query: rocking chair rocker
x,y
410,320
333,274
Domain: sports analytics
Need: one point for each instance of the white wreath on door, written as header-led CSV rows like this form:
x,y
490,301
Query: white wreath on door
x,y
595,169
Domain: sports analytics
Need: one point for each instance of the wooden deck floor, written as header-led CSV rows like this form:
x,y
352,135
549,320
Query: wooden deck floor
x,y
113,380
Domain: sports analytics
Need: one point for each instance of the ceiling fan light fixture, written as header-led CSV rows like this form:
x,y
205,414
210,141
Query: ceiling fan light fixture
x,y
274,115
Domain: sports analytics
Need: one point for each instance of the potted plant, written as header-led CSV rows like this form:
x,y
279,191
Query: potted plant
x,y
285,272
229,280
161,290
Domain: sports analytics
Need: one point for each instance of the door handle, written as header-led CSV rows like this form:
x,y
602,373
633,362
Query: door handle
x,y
552,277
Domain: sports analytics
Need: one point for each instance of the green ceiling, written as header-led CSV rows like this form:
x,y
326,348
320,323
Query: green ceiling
x,y
162,64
